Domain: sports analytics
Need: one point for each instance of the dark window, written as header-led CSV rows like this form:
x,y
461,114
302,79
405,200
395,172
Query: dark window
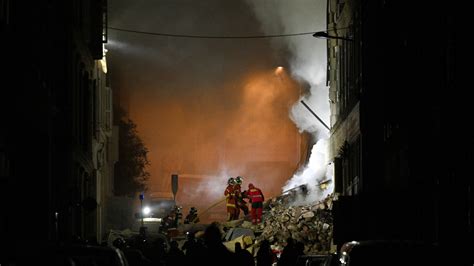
x,y
347,169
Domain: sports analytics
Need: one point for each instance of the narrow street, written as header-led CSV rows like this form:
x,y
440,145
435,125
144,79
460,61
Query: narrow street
x,y
246,132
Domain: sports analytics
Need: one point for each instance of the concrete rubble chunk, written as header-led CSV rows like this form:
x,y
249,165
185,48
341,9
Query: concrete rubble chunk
x,y
310,224
285,218
292,227
246,224
308,215
325,226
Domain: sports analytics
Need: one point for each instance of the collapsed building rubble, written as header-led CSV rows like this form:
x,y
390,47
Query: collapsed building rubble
x,y
310,224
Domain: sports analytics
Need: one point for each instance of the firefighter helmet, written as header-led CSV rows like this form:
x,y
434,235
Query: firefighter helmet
x,y
239,179
231,181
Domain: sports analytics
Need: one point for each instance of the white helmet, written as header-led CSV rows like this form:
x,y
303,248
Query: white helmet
x,y
239,179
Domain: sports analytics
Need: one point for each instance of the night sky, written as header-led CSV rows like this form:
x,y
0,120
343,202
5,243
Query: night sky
x,y
209,109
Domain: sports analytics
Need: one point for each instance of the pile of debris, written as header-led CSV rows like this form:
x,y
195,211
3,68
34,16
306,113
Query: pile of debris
x,y
309,224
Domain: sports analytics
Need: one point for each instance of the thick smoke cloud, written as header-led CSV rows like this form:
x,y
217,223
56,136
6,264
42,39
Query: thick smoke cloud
x,y
206,109
307,61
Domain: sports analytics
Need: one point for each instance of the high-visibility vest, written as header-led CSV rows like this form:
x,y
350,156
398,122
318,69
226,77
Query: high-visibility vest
x,y
230,197
255,195
229,191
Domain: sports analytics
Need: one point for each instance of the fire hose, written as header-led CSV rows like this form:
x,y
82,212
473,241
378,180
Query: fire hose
x,y
210,207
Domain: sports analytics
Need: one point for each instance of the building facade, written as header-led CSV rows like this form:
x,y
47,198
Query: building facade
x,y
104,148
56,145
399,159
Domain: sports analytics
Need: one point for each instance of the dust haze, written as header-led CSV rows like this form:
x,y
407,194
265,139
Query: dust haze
x,y
207,109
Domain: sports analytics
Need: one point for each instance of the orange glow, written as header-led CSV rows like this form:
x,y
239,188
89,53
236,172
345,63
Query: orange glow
x,y
243,129
279,70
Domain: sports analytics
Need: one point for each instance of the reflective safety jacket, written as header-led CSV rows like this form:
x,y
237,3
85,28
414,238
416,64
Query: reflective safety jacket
x,y
237,191
230,196
255,195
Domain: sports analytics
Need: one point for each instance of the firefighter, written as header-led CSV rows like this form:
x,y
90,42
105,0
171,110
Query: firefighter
x,y
192,216
256,198
167,222
241,203
178,216
230,200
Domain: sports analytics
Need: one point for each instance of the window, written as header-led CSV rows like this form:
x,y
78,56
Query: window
x,y
339,9
108,108
347,169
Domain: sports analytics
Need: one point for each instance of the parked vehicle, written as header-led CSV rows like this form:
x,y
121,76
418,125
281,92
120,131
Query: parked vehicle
x,y
317,260
160,207
69,254
94,255
389,252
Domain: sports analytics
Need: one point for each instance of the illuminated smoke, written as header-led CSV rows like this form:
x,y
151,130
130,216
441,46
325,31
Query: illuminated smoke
x,y
313,174
212,108
307,64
